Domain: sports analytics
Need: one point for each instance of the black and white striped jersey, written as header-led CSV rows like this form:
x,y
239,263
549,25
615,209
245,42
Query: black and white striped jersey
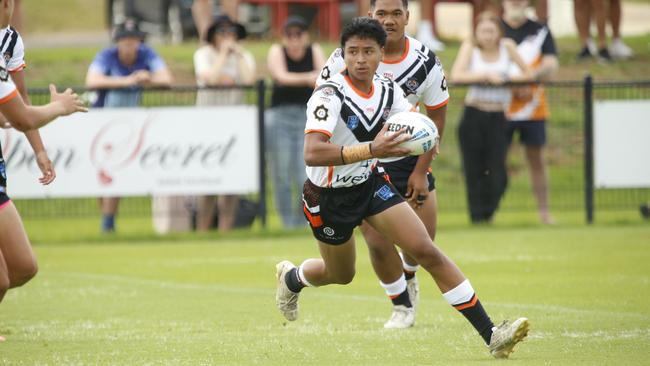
x,y
12,49
349,116
418,72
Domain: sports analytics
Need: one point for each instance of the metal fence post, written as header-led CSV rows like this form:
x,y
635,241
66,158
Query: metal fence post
x,y
589,148
261,90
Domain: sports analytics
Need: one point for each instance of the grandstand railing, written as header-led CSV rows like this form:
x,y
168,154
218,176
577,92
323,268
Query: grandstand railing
x,y
568,134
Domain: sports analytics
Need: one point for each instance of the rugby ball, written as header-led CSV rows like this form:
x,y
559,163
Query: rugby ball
x,y
421,129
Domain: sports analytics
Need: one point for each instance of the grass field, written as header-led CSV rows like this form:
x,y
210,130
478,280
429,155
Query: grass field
x,y
585,290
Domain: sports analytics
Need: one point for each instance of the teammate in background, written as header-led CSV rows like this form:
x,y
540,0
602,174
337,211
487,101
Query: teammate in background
x,y
13,51
419,73
345,133
120,72
528,109
17,260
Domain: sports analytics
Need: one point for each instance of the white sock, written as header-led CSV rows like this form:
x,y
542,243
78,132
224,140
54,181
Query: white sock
x,y
301,275
395,288
407,267
459,294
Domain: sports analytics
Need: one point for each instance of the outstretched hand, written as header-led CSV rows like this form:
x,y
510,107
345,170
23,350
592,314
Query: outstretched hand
x,y
68,100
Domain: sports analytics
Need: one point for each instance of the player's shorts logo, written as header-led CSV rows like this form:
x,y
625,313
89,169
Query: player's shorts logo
x,y
321,113
353,122
328,231
385,193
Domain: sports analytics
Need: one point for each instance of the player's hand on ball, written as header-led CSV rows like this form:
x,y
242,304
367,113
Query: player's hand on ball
x,y
387,146
68,100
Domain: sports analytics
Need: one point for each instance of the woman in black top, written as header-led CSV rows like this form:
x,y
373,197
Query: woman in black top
x,y
294,66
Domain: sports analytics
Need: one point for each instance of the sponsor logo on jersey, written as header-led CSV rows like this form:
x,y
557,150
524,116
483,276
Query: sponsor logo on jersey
x,y
338,52
4,74
327,91
384,193
321,113
325,73
389,75
386,113
7,56
412,84
353,122
370,110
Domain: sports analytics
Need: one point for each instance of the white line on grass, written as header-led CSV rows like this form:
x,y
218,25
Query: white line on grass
x,y
551,309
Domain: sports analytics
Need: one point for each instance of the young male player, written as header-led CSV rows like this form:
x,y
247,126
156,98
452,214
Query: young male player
x,y
12,50
344,134
419,73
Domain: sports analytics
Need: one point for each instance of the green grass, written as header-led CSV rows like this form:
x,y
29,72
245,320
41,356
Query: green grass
x,y
585,290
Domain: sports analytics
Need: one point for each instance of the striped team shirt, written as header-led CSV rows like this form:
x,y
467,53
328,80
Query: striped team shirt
x,y
349,116
12,49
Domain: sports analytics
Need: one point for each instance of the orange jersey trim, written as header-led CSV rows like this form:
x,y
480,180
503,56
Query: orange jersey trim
x,y
359,92
324,132
21,67
9,97
404,54
437,106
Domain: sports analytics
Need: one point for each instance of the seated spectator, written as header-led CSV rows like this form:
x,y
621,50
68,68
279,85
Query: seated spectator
x,y
222,62
119,73
294,67
485,59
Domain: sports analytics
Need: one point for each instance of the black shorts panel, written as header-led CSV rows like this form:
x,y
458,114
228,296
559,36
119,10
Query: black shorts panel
x,y
4,198
399,172
531,133
333,213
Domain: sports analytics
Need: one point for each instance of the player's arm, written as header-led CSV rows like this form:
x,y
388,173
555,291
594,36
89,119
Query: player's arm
x,y
33,136
25,117
319,151
277,66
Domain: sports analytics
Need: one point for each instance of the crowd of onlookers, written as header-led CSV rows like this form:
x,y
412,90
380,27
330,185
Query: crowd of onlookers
x,y
504,39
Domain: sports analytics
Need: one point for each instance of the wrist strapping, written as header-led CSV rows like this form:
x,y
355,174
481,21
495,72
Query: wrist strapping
x,y
356,153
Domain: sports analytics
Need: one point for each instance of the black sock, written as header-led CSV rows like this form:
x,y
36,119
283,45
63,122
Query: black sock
x,y
402,299
292,281
474,312
408,274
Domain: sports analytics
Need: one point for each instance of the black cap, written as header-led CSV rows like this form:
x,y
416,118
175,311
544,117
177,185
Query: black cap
x,y
224,22
295,21
128,29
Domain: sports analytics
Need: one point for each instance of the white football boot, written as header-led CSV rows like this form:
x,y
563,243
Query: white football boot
x,y
506,336
413,288
401,318
285,299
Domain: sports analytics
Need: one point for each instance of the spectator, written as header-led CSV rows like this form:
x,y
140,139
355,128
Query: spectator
x,y
119,73
222,62
485,59
617,49
528,110
294,66
583,11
